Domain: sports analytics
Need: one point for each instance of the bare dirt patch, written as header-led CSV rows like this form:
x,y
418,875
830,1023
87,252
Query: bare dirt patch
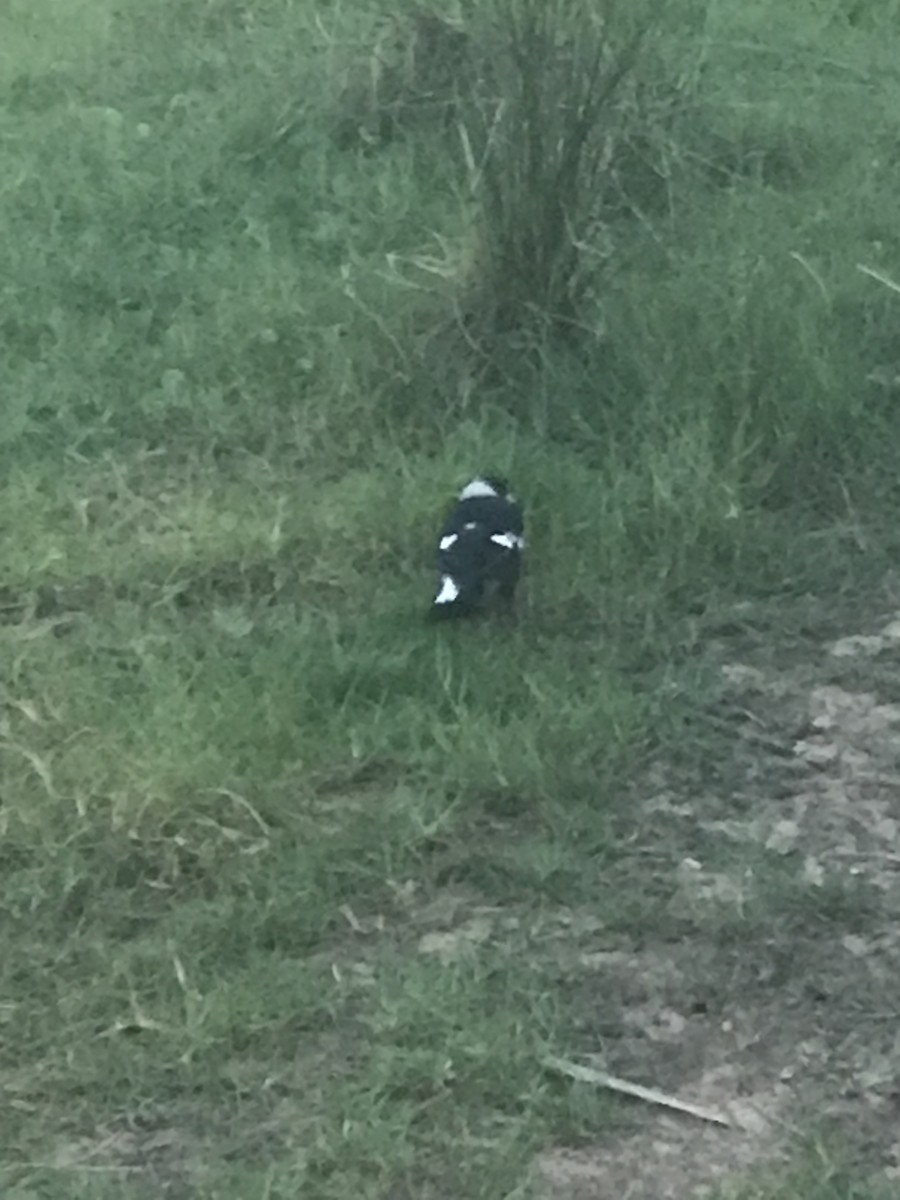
x,y
777,1003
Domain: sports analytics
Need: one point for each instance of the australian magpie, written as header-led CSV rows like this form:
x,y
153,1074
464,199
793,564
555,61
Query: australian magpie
x,y
480,548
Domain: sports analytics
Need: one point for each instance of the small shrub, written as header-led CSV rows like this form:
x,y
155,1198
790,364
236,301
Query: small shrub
x,y
542,141
411,78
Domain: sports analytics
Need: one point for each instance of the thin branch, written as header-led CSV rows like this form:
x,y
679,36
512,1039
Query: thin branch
x,y
651,1095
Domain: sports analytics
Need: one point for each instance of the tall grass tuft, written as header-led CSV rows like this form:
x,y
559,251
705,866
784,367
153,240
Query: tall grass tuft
x,y
540,141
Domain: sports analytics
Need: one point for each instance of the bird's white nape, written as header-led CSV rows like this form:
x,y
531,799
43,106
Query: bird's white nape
x,y
448,593
478,487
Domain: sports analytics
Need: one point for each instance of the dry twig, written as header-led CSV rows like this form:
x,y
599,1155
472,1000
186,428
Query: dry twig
x,y
652,1095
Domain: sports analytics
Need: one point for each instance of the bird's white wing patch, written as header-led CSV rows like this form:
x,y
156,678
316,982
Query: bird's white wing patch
x,y
511,541
448,593
448,540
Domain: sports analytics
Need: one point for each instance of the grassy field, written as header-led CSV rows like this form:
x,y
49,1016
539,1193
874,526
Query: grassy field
x,y
292,882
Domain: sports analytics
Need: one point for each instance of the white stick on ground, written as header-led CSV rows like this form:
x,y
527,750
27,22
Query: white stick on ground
x,y
591,1075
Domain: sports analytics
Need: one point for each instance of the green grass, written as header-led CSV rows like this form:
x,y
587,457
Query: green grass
x,y
240,775
818,1174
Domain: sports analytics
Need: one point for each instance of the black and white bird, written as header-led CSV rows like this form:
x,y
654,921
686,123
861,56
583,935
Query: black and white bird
x,y
480,548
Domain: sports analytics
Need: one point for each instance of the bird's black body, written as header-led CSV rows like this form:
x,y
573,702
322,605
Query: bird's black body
x,y
480,548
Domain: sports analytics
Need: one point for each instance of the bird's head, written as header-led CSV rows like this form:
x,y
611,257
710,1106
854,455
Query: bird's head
x,y
485,485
